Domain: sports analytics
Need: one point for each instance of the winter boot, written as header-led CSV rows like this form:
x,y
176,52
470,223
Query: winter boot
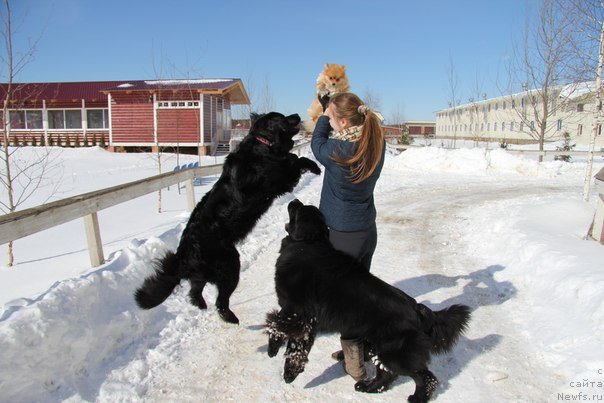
x,y
338,355
353,358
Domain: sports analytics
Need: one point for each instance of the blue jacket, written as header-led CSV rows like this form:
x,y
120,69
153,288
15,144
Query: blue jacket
x,y
347,207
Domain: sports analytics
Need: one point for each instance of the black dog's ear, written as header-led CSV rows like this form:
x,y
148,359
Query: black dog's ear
x,y
254,117
293,206
293,120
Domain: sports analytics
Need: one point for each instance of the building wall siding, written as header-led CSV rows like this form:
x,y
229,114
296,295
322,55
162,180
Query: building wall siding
x,y
178,125
132,118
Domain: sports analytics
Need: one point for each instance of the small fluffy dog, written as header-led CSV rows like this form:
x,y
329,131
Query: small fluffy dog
x,y
330,81
256,173
322,290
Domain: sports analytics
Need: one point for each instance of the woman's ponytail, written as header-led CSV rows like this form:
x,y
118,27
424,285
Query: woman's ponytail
x,y
369,147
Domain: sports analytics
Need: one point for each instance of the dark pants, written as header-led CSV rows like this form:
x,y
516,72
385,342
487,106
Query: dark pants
x,y
358,244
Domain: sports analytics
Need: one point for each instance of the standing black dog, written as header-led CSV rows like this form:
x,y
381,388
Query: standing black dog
x,y
260,170
323,290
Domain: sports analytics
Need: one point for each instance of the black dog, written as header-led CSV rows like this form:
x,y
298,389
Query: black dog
x,y
323,290
260,170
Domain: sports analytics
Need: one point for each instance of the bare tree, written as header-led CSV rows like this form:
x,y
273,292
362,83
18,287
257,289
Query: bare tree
x,y
165,69
587,63
539,65
454,99
22,174
267,102
372,99
475,112
396,118
243,112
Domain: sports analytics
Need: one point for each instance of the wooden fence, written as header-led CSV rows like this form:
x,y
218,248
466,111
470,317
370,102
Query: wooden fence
x,y
30,221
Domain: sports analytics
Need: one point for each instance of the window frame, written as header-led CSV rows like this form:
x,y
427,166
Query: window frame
x,y
64,128
178,104
26,121
104,118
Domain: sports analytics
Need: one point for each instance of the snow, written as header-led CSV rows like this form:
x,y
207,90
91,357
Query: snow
x,y
189,82
501,233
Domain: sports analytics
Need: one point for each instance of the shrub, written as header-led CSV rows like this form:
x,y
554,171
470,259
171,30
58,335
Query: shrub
x,y
566,146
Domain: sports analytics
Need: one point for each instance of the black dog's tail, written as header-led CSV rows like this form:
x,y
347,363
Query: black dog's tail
x,y
446,326
157,287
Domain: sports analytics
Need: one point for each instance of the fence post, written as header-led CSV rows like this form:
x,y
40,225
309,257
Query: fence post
x,y
93,238
598,223
190,195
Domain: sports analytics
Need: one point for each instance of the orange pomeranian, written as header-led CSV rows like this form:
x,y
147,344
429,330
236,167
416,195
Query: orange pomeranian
x,y
329,82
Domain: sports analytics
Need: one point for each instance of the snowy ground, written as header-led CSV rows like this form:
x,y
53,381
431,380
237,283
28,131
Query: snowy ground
x,y
500,233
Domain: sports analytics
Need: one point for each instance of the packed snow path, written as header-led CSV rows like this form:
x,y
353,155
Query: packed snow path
x,y
420,251
499,233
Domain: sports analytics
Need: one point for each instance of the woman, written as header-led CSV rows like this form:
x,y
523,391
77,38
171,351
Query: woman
x,y
353,157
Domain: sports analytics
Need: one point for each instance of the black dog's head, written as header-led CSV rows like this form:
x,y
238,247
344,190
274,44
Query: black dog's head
x,y
306,223
275,130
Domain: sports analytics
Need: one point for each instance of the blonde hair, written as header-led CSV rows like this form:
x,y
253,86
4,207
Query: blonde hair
x,y
368,150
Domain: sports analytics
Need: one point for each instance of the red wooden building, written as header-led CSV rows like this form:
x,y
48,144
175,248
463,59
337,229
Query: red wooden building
x,y
138,114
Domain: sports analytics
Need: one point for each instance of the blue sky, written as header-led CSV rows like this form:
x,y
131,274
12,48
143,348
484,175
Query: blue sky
x,y
399,50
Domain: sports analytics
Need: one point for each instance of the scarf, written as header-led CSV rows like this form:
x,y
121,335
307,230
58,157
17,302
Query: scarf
x,y
352,134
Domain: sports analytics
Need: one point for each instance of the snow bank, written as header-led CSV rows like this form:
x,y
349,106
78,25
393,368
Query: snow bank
x,y
61,342
477,161
540,241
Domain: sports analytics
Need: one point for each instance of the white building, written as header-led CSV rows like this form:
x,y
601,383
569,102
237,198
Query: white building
x,y
518,118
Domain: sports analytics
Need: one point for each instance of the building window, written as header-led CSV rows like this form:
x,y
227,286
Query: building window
x,y
580,107
25,120
65,119
502,126
488,126
178,104
579,129
521,126
512,126
559,127
504,105
227,119
97,118
532,125
513,104
482,127
495,126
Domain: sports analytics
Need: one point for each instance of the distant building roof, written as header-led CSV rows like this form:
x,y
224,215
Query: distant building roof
x,y
228,87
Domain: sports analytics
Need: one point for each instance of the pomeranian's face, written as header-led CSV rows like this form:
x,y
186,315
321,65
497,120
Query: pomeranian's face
x,y
333,77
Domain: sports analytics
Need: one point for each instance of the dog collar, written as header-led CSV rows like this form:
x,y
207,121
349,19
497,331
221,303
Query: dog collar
x,y
264,141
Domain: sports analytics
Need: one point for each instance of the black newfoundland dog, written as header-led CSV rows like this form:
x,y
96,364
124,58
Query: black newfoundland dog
x,y
260,170
322,290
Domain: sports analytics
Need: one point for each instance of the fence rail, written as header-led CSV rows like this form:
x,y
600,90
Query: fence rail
x,y
30,221
401,147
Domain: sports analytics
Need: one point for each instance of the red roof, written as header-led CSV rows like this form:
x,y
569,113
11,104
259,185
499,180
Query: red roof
x,y
98,89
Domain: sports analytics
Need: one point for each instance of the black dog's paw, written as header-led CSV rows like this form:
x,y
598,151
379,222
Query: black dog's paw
x,y
416,399
309,165
291,372
228,316
370,386
197,300
274,345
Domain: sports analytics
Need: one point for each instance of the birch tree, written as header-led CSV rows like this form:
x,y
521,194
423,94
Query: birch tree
x,y
21,174
587,63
